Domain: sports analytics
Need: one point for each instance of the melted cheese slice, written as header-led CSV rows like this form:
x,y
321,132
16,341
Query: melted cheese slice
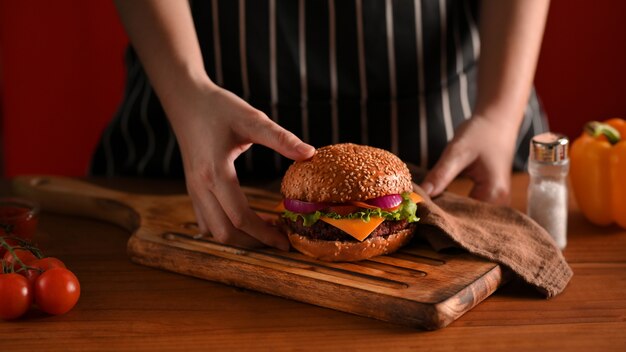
x,y
356,228
416,198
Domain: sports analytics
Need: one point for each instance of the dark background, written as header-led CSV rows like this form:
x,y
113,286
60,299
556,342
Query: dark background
x,y
61,76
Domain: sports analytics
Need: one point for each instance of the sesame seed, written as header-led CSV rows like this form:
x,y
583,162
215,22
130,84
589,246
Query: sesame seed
x,y
346,172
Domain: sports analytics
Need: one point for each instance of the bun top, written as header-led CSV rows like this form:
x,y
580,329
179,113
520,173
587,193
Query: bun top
x,y
346,172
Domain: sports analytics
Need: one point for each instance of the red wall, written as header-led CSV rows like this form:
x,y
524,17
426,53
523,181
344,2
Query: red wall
x,y
62,78
581,74
62,75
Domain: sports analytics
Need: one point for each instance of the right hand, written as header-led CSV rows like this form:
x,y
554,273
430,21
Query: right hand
x,y
213,127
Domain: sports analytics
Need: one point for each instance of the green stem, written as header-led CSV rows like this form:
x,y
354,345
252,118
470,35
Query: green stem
x,y
16,259
595,129
24,244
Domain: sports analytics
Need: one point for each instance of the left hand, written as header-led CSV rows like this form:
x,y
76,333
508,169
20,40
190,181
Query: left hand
x,y
481,149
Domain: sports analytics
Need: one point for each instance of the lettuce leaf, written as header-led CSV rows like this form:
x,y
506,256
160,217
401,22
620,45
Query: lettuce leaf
x,y
406,211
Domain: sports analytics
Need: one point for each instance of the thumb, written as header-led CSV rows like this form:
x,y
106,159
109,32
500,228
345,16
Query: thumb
x,y
450,164
272,135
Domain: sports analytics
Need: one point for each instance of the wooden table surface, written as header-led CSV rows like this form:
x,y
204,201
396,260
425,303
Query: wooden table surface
x,y
125,306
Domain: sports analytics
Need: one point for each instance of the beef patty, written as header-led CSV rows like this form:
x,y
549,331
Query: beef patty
x,y
327,232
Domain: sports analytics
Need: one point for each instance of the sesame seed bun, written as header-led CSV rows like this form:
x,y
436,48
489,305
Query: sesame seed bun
x,y
339,251
342,173
346,172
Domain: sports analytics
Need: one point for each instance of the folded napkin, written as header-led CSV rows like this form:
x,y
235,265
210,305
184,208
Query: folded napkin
x,y
497,233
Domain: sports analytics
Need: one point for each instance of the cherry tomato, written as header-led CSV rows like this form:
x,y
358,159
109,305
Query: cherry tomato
x,y
24,255
56,291
15,296
47,263
43,264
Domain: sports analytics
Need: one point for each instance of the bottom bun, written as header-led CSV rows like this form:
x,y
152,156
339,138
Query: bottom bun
x,y
338,251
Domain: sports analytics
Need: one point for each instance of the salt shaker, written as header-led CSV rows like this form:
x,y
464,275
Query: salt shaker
x,y
548,166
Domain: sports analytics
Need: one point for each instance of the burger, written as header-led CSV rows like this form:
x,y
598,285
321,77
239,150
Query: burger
x,y
348,202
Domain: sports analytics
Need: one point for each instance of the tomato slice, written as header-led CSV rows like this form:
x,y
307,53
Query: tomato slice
x,y
343,209
354,206
363,205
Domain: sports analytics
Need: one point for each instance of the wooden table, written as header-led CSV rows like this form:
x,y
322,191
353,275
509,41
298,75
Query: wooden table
x,y
125,306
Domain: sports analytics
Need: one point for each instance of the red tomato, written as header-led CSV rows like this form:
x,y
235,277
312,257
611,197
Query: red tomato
x,y
56,291
43,264
24,255
363,205
343,209
15,296
47,263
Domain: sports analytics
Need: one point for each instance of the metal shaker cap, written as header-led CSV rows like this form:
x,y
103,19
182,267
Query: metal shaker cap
x,y
549,147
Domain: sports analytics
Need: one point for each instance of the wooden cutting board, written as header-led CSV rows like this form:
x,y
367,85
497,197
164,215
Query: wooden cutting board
x,y
416,286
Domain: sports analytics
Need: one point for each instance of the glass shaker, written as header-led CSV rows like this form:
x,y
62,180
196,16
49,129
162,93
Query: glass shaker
x,y
548,166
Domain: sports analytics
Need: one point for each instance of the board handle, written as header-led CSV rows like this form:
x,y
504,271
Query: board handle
x,y
63,195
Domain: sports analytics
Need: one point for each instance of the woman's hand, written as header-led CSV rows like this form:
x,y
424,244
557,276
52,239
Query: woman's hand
x,y
213,127
483,147
483,151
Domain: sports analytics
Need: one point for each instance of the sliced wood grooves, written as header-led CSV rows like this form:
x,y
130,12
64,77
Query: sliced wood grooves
x,y
396,271
424,251
295,260
262,201
413,258
392,269
387,272
415,286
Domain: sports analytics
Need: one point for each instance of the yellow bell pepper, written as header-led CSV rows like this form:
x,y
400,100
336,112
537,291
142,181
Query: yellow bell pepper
x,y
598,172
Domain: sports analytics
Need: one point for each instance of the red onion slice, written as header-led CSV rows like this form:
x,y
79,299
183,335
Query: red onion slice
x,y
386,202
299,206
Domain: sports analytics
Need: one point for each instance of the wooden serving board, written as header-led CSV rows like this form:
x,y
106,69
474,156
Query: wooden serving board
x,y
416,286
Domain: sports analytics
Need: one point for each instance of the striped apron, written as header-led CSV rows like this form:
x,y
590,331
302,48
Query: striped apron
x,y
394,74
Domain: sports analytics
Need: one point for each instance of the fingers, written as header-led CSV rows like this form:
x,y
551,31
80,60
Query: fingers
x,y
490,183
245,220
202,224
497,191
222,127
228,213
235,205
211,218
271,135
453,160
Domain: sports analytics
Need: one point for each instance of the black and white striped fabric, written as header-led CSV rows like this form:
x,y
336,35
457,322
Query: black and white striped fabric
x,y
394,74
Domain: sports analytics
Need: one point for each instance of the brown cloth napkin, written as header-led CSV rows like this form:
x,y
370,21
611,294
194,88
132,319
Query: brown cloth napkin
x,y
498,233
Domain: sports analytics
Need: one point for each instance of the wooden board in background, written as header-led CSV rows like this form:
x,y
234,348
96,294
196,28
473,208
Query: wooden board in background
x,y
416,286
